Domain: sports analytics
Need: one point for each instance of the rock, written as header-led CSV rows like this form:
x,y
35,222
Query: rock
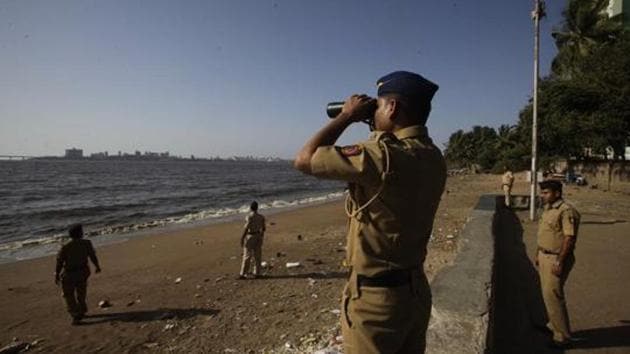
x,y
150,345
264,264
178,280
293,265
197,295
280,254
131,303
299,237
314,296
450,236
104,304
336,311
311,281
219,279
169,326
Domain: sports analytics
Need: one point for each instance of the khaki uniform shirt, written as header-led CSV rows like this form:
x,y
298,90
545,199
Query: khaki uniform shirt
x,y
507,179
255,223
73,256
558,220
392,231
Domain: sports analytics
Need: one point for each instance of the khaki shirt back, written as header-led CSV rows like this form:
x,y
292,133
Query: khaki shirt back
x,y
392,232
74,255
507,179
557,221
255,223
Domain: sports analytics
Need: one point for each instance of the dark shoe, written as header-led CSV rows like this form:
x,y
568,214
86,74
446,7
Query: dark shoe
x,y
241,277
560,345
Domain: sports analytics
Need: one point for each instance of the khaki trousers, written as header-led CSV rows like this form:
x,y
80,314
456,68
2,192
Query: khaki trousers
x,y
506,191
74,292
386,320
552,288
252,254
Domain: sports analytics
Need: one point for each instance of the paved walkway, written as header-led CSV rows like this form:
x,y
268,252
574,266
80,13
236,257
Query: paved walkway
x,y
598,288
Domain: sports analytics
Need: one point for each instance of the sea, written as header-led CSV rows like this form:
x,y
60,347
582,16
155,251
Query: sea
x,y
117,199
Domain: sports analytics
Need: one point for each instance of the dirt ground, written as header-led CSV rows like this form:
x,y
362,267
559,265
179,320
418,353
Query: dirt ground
x,y
176,291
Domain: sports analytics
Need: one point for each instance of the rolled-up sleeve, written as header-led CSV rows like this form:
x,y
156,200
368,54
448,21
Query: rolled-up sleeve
x,y
569,222
361,166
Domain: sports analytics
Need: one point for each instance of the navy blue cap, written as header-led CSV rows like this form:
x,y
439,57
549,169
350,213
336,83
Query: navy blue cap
x,y
407,84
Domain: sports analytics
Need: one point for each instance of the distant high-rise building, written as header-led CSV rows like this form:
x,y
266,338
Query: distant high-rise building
x,y
619,9
74,153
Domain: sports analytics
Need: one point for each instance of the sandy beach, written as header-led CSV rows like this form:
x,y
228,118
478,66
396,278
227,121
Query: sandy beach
x,y
208,310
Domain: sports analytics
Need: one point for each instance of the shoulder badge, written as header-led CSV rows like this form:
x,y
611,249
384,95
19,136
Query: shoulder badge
x,y
351,150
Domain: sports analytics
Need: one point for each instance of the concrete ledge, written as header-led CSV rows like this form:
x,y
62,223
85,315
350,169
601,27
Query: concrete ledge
x,y
462,292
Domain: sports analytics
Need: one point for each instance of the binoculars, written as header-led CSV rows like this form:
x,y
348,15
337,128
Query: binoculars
x,y
334,108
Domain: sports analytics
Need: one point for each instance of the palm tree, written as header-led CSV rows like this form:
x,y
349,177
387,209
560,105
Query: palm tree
x,y
586,26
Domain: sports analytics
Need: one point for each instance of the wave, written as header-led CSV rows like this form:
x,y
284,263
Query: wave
x,y
208,214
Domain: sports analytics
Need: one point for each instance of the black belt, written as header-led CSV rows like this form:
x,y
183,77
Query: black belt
x,y
548,252
390,279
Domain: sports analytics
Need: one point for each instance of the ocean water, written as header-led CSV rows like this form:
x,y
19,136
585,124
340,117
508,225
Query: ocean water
x,y
39,199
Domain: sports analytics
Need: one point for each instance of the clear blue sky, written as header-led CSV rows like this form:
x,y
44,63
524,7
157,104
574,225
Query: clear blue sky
x,y
235,77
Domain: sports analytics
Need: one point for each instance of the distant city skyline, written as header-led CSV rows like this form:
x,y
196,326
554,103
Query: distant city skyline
x,y
237,78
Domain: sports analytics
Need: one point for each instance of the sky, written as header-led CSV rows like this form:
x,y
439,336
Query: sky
x,y
235,77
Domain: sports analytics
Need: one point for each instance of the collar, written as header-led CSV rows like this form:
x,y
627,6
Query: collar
x,y
411,132
555,204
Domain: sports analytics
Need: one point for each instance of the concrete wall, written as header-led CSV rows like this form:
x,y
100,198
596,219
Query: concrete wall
x,y
597,172
462,293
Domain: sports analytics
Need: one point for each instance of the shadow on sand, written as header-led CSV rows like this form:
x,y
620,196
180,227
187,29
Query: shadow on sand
x,y
607,337
518,304
147,316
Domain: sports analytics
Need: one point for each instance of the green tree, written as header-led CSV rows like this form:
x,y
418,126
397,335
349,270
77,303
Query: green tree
x,y
586,26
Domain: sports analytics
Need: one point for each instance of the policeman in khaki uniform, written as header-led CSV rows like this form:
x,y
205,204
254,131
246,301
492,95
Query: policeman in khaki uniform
x,y
557,233
251,241
72,271
507,180
396,179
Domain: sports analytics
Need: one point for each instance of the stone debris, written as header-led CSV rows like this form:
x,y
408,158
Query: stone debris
x,y
219,279
104,304
178,280
150,345
293,265
336,311
264,264
450,236
311,281
169,326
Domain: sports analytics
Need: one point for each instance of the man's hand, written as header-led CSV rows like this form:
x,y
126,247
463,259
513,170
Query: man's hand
x,y
556,269
97,270
358,107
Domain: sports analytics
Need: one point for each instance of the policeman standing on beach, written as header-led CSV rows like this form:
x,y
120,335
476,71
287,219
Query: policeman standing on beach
x,y
72,270
251,241
507,180
557,233
396,179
